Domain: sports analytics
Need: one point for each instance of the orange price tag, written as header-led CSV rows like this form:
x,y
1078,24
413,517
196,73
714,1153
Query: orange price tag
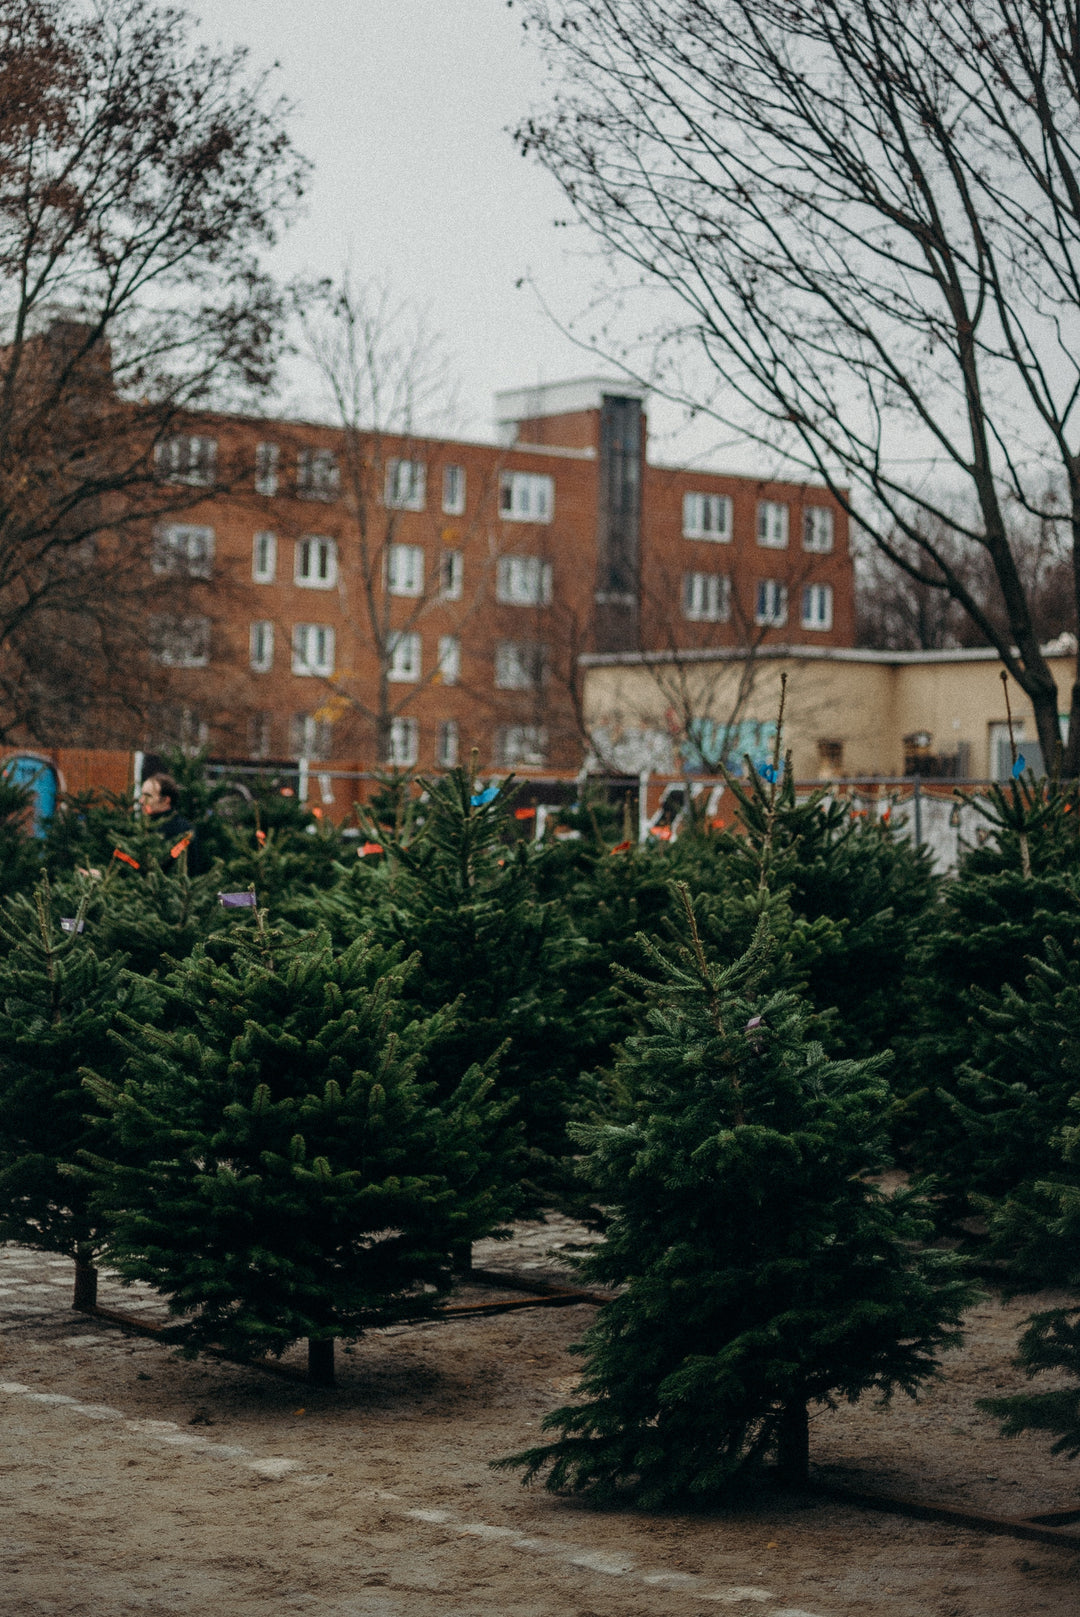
x,y
182,846
118,853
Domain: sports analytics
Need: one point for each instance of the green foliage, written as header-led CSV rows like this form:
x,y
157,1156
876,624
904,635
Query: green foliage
x,y
762,1269
461,894
271,1162
20,853
60,994
1052,1338
1010,1104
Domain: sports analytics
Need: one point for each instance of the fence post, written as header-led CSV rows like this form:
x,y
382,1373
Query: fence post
x,y
918,812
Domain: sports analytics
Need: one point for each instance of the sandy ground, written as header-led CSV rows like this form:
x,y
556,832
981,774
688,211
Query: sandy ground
x,y
134,1482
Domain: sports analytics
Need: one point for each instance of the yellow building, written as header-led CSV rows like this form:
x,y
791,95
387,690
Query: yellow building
x,y
850,713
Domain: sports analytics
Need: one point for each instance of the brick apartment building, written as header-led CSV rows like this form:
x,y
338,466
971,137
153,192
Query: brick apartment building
x,y
352,596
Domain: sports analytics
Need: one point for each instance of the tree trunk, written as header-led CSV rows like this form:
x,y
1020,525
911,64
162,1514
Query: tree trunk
x,y
86,1279
793,1445
320,1361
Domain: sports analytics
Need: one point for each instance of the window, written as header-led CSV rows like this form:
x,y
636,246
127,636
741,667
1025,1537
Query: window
x,y
771,609
262,646
180,642
817,529
310,737
526,497
520,744
312,648
817,606
404,654
406,484
317,475
178,549
187,460
266,468
706,516
772,524
259,730
264,557
447,746
449,659
405,570
453,490
451,575
403,743
316,563
520,665
523,581
706,597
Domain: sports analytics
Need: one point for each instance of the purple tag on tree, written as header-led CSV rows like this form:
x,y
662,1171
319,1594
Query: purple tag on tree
x,y
237,901
70,923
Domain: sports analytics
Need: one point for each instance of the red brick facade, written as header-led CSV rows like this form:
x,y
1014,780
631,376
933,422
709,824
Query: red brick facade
x,y
496,566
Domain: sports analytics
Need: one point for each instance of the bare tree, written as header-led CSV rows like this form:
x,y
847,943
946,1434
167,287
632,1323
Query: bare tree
x,y
389,383
140,176
868,213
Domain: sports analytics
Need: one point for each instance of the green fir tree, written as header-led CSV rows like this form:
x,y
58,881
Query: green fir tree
x,y
59,997
762,1269
1051,1341
271,1163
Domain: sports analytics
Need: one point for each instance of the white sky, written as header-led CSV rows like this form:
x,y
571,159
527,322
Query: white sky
x,y
405,108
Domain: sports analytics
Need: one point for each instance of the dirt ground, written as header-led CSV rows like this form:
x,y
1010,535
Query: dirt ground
x,y
134,1482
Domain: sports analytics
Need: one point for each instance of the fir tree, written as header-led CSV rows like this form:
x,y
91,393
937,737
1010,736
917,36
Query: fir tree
x,y
460,893
271,1163
59,997
1052,1338
763,1271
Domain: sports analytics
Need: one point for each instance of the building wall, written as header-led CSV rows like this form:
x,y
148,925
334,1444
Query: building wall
x,y
846,712
239,711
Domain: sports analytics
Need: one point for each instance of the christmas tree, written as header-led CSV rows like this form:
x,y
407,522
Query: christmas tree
x,y
763,1271
59,997
272,1164
461,894
1052,1338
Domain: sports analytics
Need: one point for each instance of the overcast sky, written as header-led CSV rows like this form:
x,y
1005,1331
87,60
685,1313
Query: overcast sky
x,y
405,108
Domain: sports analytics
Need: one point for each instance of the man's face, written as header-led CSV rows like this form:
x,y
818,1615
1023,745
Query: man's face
x,y
151,800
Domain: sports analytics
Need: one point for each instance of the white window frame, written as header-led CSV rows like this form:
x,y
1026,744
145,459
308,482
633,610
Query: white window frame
x,y
773,518
521,744
404,657
187,458
405,571
523,581
313,650
817,607
261,646
183,549
311,737
267,457
706,597
406,485
451,575
448,746
707,516
260,727
819,528
264,557
453,490
315,562
520,665
195,630
449,659
526,497
771,603
318,475
403,742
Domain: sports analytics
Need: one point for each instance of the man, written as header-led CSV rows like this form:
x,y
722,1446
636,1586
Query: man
x,y
159,801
